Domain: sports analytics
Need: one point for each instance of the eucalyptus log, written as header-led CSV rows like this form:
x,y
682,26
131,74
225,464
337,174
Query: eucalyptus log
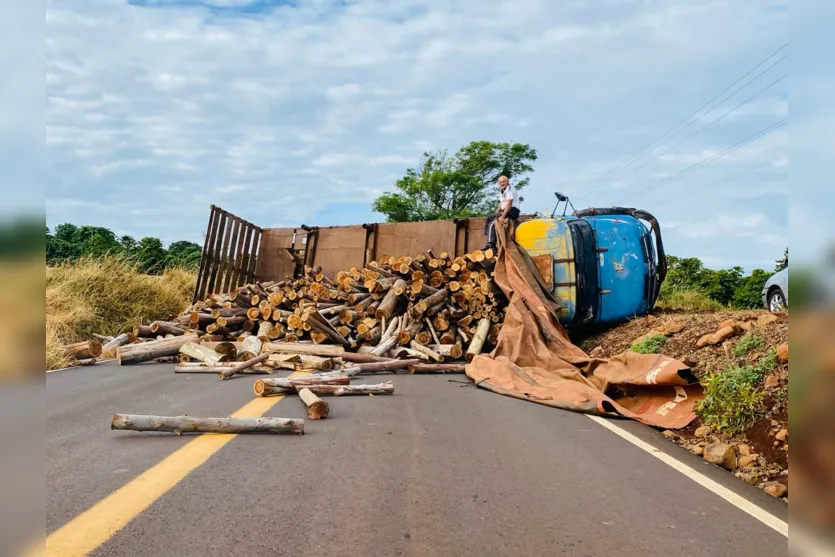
x,y
242,366
146,351
479,337
316,407
109,348
452,351
284,385
83,350
359,358
389,365
331,350
428,351
167,328
203,353
190,424
250,347
317,362
341,390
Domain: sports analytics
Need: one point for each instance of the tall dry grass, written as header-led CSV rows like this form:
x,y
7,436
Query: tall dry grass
x,y
693,301
107,295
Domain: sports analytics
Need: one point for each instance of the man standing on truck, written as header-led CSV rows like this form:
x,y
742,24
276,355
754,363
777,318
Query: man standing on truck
x,y
508,209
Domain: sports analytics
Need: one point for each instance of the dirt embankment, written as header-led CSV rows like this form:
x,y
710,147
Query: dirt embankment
x,y
741,357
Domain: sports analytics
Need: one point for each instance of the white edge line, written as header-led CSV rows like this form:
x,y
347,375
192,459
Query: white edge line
x,y
80,367
738,501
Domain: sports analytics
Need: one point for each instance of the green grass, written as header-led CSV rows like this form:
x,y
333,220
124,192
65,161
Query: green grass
x,y
650,345
733,401
747,343
694,301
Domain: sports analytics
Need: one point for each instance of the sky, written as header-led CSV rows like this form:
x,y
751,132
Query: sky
x,y
289,113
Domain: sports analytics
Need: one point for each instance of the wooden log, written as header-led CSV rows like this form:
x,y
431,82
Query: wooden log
x,y
391,300
331,350
432,330
284,385
190,424
86,361
374,367
143,331
451,351
358,358
250,347
403,353
316,407
419,309
104,339
316,362
146,351
479,337
108,350
428,351
242,366
214,370
384,347
167,328
203,353
83,350
450,367
342,390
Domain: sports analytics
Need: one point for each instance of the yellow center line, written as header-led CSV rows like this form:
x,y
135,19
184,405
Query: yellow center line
x,y
96,525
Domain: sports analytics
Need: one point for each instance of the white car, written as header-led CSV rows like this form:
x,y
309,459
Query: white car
x,y
776,291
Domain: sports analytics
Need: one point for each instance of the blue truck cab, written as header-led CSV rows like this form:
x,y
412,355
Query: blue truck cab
x,y
601,265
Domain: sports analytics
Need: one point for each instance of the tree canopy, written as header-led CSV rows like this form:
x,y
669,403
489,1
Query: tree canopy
x,y
69,242
460,185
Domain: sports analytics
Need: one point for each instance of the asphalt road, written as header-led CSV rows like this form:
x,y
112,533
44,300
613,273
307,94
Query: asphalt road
x,y
440,468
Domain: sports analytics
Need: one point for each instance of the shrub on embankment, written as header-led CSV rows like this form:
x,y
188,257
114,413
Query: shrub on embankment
x,y
107,295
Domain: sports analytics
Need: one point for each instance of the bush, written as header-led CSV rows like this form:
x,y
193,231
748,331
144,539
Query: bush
x,y
689,300
732,403
747,343
108,295
650,345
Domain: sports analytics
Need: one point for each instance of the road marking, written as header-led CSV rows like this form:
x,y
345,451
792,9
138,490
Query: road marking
x,y
93,527
736,500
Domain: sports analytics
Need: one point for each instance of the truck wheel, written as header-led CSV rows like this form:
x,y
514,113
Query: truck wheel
x,y
776,301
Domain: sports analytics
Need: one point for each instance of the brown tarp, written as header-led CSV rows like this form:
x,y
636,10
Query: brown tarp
x,y
535,360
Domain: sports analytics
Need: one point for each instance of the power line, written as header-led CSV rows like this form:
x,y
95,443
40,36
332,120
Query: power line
x,y
703,128
666,134
692,168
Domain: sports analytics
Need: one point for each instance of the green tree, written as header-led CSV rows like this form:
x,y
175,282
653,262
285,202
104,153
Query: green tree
x,y
186,254
129,244
461,185
151,256
783,262
748,294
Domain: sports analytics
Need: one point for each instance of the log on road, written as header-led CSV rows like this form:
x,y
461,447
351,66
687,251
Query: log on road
x,y
327,350
316,407
189,424
374,367
83,350
478,339
341,390
239,368
437,368
137,353
284,385
203,353
109,348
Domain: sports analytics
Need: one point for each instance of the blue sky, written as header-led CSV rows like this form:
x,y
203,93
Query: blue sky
x,y
303,112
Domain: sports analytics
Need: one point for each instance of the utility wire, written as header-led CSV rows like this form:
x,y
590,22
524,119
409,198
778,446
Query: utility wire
x,y
692,168
703,128
666,135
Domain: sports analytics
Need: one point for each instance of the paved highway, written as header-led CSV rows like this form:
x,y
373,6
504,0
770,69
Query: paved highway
x,y
440,468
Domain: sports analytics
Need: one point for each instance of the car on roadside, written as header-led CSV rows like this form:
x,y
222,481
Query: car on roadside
x,y
776,291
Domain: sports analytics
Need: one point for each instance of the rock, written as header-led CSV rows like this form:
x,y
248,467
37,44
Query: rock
x,y
722,335
726,323
702,431
673,327
783,353
744,450
698,449
767,319
749,477
672,436
721,454
775,488
704,340
596,352
690,361
782,435
748,461
772,381
744,325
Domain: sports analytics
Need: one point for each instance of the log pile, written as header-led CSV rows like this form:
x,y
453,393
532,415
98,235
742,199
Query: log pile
x,y
431,308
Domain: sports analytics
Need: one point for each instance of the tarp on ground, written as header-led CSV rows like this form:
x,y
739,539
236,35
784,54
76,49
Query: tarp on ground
x,y
535,360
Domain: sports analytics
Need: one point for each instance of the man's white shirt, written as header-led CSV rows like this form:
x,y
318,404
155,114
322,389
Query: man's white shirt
x,y
509,195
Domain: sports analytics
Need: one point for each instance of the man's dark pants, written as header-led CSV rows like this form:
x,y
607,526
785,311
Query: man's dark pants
x,y
490,228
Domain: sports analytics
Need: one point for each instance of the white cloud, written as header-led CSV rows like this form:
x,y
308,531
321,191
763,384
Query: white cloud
x,y
325,102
